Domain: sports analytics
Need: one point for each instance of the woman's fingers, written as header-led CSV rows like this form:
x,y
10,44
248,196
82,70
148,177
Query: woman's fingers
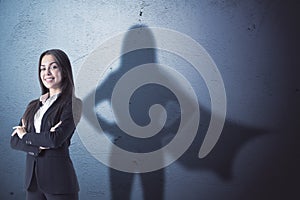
x,y
14,132
56,125
23,123
20,130
43,148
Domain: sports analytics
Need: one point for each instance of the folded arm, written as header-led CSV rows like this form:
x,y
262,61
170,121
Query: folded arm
x,y
57,135
17,143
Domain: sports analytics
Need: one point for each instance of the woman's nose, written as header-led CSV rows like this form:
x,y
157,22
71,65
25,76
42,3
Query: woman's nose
x,y
48,71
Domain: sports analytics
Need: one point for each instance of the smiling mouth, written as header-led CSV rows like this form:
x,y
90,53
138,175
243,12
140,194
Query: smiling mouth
x,y
49,79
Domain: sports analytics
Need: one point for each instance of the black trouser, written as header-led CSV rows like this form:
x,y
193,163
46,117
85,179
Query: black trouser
x,y
34,193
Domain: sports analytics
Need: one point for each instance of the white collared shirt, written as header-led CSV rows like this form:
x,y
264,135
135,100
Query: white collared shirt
x,y
47,102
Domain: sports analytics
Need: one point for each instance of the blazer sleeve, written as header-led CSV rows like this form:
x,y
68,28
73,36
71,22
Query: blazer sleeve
x,y
18,144
61,134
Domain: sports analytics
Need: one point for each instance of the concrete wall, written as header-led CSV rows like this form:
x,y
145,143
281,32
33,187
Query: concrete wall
x,y
255,47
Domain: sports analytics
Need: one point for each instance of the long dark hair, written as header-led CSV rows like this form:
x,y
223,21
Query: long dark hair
x,y
67,87
67,84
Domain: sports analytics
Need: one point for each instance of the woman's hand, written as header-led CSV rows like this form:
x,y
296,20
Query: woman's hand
x,y
51,130
19,130
54,127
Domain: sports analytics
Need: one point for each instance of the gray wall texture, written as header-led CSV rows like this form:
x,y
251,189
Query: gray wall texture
x,y
255,46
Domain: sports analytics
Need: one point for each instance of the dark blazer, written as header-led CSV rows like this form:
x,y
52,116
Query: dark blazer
x,y
53,167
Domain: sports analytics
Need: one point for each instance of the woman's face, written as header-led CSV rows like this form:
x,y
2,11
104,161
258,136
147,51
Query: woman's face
x,y
50,73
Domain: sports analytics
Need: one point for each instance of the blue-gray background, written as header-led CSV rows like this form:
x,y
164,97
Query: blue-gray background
x,y
255,46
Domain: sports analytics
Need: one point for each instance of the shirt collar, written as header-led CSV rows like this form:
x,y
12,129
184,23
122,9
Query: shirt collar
x,y
45,97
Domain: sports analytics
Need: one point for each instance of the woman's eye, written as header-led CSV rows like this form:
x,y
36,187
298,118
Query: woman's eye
x,y
54,67
43,68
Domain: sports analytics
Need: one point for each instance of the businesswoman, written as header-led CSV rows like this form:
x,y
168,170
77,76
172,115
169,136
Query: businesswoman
x,y
45,131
